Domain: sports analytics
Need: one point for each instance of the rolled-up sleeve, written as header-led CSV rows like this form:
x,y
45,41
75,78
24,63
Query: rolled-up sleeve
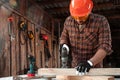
x,y
105,36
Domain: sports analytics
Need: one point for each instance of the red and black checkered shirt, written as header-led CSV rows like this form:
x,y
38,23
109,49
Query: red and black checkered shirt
x,y
84,40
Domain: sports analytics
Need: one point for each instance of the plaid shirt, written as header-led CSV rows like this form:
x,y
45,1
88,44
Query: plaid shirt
x,y
84,40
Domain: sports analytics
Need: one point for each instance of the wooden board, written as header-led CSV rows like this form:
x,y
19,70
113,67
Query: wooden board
x,y
72,71
61,77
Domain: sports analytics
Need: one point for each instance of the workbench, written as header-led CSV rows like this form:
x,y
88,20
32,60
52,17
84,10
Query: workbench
x,y
24,77
12,78
59,73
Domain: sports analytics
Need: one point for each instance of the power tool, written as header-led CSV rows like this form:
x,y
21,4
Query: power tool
x,y
64,55
31,72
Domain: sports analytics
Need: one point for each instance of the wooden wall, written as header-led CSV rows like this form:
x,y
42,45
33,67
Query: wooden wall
x,y
13,54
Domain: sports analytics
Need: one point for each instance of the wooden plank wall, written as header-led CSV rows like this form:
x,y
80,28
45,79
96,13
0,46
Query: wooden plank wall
x,y
13,54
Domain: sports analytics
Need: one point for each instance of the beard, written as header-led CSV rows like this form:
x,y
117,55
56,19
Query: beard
x,y
81,22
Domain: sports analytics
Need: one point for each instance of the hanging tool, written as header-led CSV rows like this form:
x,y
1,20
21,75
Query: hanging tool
x,y
10,28
31,72
30,37
46,50
22,25
44,37
46,47
10,19
22,31
10,32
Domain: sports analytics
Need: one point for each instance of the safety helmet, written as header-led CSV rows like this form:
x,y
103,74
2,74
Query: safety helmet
x,y
80,7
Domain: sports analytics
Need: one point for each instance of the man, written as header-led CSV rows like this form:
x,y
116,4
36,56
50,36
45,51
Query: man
x,y
87,35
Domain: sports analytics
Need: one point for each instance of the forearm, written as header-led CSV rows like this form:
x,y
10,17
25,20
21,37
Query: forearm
x,y
104,42
98,57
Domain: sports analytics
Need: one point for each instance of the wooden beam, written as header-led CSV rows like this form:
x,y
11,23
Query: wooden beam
x,y
108,12
97,7
114,17
49,2
61,77
57,10
116,38
72,71
103,6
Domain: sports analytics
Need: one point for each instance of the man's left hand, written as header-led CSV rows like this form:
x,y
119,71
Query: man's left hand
x,y
84,67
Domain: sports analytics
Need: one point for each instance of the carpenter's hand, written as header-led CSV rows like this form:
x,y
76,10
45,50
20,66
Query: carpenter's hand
x,y
84,67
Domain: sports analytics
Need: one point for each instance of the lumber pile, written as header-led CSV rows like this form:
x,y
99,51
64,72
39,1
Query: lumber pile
x,y
61,77
70,73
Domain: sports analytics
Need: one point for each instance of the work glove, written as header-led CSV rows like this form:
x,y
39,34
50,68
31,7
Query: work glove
x,y
84,67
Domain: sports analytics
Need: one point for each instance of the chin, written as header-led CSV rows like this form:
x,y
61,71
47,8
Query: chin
x,y
80,22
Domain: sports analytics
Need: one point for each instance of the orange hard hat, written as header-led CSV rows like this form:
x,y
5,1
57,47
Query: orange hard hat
x,y
80,7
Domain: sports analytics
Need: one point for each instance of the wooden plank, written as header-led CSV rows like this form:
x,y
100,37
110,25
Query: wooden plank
x,y
13,47
37,49
50,61
17,50
42,49
22,52
61,77
72,71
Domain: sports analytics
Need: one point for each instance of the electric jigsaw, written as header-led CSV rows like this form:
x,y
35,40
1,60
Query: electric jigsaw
x,y
64,55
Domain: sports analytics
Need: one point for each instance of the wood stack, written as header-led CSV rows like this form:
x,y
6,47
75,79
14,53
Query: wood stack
x,y
61,77
70,73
